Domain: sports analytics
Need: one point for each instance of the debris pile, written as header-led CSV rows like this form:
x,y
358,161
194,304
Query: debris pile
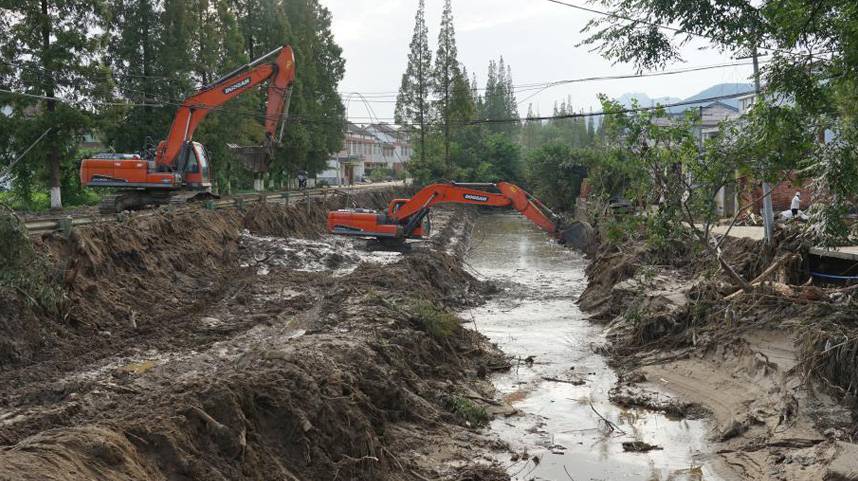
x,y
774,364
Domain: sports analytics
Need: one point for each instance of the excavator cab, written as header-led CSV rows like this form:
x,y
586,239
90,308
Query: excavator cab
x,y
196,167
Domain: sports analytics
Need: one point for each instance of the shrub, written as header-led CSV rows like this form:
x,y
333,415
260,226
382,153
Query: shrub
x,y
21,270
467,411
380,174
437,322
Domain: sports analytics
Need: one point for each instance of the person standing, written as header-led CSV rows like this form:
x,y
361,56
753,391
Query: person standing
x,y
796,204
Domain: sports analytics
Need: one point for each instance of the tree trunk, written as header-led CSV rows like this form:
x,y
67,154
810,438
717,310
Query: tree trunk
x,y
51,106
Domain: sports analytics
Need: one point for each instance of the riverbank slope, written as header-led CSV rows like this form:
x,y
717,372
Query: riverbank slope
x,y
771,366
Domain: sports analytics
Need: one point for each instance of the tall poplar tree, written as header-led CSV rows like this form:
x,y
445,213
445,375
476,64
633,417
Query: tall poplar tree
x,y
445,76
413,103
134,40
317,114
500,102
54,52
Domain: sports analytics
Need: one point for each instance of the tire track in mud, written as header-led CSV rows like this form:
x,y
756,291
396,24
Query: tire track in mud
x,y
286,375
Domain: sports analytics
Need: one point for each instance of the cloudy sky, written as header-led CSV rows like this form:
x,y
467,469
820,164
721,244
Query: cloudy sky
x,y
536,37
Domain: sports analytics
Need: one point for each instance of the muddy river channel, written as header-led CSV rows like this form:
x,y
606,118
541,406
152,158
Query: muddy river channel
x,y
558,385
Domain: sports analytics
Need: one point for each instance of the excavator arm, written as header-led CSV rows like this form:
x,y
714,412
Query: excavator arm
x,y
281,72
404,217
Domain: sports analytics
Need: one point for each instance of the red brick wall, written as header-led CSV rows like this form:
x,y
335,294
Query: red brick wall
x,y
585,189
782,194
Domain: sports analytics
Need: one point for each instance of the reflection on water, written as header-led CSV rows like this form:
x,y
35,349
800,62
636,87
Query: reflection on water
x,y
557,383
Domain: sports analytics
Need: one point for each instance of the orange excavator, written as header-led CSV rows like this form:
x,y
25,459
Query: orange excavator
x,y
178,169
407,218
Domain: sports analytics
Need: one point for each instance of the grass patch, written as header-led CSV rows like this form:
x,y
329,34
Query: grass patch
x,y
466,410
439,323
40,201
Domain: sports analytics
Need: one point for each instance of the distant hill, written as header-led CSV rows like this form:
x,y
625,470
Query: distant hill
x,y
718,90
644,100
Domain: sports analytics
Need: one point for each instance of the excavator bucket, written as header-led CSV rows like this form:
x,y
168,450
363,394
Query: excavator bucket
x,y
579,235
254,158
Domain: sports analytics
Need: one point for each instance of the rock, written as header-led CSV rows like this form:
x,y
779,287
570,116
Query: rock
x,y
210,321
735,428
845,464
639,447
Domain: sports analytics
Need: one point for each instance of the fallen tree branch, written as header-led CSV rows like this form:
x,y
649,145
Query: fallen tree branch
x,y
611,426
574,382
738,213
766,273
716,250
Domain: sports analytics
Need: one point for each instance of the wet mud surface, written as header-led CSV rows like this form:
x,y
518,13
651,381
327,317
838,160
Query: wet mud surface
x,y
762,365
247,345
562,423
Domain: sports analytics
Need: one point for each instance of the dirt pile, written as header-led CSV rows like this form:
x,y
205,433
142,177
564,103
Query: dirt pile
x,y
142,275
195,350
773,366
28,288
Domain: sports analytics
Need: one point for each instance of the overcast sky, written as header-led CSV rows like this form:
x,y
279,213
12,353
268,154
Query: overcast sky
x,y
536,38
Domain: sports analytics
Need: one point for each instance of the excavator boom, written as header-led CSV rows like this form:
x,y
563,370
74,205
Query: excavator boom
x,y
404,218
180,164
195,108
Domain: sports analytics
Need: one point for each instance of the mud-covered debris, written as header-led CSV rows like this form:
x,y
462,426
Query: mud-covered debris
x,y
639,447
629,395
845,464
733,429
337,256
572,381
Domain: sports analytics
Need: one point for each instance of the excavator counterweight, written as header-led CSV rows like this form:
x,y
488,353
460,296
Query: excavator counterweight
x,y
406,218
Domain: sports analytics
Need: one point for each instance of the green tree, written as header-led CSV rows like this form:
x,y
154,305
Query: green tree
x,y
134,39
500,160
413,103
499,102
555,172
52,50
445,75
317,110
221,49
821,88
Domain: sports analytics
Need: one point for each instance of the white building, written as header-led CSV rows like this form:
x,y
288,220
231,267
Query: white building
x,y
366,148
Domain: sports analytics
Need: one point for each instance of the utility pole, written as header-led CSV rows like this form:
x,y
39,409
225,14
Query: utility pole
x,y
768,211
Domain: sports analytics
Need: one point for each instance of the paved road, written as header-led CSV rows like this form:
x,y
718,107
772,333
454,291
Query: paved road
x,y
849,253
89,215
739,231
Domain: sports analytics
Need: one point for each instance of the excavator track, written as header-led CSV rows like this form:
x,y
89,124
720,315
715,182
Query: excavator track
x,y
140,199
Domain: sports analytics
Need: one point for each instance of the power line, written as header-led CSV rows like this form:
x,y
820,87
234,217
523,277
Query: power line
x,y
79,102
639,75
621,111
259,116
542,86
471,122
657,25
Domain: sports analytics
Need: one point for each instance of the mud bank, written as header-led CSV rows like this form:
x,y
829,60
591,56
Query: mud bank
x,y
247,345
767,366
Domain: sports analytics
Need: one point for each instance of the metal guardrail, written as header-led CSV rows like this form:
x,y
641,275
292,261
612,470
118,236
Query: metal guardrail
x,y
43,226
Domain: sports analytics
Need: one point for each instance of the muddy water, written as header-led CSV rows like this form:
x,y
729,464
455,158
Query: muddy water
x,y
558,384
